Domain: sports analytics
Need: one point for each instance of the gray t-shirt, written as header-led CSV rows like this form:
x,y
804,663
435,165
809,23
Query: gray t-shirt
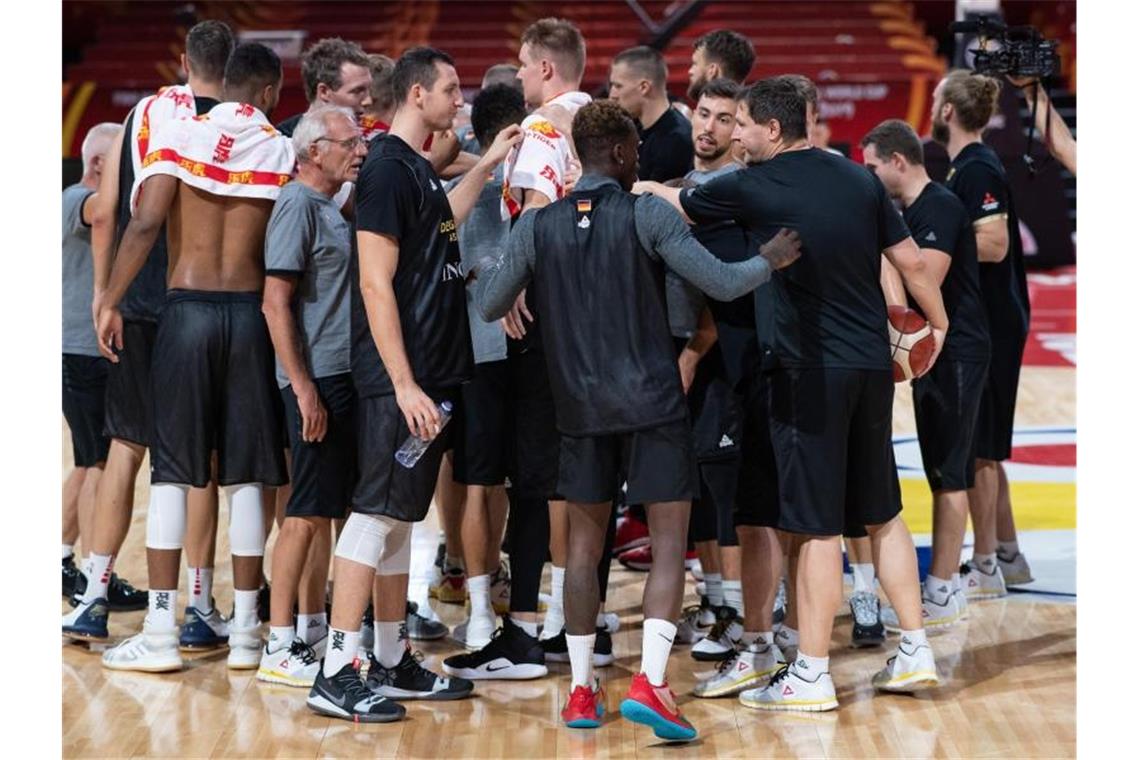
x,y
78,276
685,301
484,234
308,237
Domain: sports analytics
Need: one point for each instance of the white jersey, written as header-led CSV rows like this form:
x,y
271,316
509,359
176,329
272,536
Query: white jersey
x,y
542,159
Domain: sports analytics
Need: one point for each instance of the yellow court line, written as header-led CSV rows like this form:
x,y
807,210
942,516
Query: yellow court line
x,y
75,112
1036,506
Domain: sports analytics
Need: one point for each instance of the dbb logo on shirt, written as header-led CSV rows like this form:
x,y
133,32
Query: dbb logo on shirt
x,y
447,227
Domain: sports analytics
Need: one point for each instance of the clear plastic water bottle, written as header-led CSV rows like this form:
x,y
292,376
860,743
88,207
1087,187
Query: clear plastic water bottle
x,y
414,447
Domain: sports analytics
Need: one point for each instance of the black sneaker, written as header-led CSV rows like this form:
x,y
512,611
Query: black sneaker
x,y
867,630
556,650
346,697
411,680
121,595
511,654
72,577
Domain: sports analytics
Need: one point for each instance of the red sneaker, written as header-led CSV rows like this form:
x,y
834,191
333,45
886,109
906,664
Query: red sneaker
x,y
656,707
631,534
584,708
641,559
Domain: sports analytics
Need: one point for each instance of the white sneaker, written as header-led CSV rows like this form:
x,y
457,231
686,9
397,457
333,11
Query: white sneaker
x,y
751,667
788,643
960,598
479,630
979,584
695,622
154,651
552,623
937,614
245,648
910,669
501,590
296,665
790,691
721,640
697,571
611,622
1015,572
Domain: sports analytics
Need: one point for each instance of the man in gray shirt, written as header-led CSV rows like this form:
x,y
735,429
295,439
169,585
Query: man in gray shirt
x,y
308,250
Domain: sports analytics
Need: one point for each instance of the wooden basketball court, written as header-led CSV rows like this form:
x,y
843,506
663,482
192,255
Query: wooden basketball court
x,y
1009,672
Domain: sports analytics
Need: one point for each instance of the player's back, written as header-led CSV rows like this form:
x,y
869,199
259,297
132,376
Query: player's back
x,y
217,242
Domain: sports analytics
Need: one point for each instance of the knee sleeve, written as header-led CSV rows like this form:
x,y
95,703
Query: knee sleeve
x,y
166,516
397,556
362,539
247,536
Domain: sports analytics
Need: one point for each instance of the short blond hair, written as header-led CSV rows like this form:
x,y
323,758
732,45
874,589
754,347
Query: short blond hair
x,y
562,42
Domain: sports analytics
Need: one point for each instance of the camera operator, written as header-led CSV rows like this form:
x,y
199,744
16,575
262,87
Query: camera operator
x,y
964,103
1050,126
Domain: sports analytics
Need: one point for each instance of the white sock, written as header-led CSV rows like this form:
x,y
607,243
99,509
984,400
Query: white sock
x,y
97,568
160,609
765,638
68,551
986,562
938,589
245,610
479,589
388,646
912,638
714,589
864,577
811,667
748,638
656,642
734,596
529,626
313,628
557,579
1007,550
200,585
788,637
280,637
581,651
341,651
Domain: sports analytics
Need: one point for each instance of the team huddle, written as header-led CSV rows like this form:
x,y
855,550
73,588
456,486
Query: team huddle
x,y
585,329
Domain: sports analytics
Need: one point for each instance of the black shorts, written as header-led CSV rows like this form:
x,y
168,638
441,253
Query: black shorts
x,y
831,433
384,486
656,465
533,467
718,481
84,394
214,388
130,411
323,473
946,402
483,426
998,403
757,490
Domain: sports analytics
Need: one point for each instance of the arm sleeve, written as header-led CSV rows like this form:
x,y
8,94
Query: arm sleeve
x,y
983,192
664,233
386,194
289,236
892,228
498,283
714,201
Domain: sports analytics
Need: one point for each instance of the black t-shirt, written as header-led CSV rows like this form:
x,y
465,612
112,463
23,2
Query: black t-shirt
x,y
828,308
938,220
666,150
978,178
147,292
287,126
399,194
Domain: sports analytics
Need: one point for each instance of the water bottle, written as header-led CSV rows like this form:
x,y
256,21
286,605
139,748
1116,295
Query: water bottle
x,y
414,447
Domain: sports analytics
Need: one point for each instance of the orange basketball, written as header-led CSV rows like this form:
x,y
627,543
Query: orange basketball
x,y
912,341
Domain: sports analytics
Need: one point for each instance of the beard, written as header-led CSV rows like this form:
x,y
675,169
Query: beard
x,y
695,88
712,154
940,132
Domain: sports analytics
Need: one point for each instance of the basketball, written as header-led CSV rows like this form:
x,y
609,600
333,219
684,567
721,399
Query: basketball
x,y
912,342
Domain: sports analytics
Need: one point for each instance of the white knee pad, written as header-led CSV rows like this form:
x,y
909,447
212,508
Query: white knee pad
x,y
362,538
247,526
397,556
166,516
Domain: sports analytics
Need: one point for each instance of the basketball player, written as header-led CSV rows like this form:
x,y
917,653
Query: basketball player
x,y
216,178
407,312
831,393
128,408
722,53
335,72
638,82
619,402
84,370
945,399
306,304
964,103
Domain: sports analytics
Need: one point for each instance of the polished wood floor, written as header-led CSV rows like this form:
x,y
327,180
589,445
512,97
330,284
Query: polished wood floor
x,y
1010,686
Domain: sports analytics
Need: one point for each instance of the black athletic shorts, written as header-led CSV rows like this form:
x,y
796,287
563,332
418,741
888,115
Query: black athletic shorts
x,y
483,426
998,403
757,490
533,466
384,486
831,434
84,394
323,473
946,404
714,507
214,388
657,464
129,414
